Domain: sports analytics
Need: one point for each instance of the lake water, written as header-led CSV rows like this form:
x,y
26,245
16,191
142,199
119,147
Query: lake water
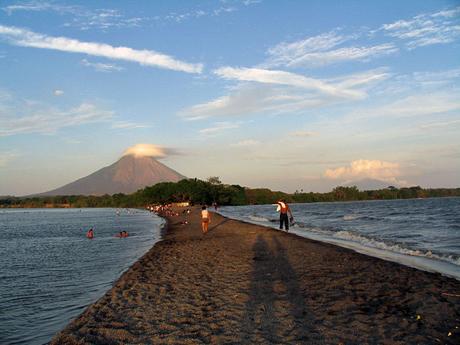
x,y
50,271
421,233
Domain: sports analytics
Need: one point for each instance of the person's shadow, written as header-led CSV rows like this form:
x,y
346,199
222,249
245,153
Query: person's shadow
x,y
276,312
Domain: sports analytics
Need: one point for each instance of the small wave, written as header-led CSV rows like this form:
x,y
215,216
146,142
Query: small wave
x,y
258,219
350,217
372,243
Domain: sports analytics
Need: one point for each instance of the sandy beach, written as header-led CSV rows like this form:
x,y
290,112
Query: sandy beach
x,y
248,284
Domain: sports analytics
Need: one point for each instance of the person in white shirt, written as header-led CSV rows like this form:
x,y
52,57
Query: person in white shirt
x,y
205,219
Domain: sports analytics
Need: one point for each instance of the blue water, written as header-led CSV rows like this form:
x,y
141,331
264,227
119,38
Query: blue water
x,y
50,271
422,233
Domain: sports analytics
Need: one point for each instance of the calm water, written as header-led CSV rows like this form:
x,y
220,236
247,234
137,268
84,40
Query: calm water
x,y
422,233
50,271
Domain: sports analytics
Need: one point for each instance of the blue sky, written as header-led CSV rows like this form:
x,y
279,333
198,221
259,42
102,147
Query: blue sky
x,y
287,95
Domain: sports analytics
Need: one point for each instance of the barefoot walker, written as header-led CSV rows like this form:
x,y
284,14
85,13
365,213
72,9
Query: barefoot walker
x,y
205,219
283,208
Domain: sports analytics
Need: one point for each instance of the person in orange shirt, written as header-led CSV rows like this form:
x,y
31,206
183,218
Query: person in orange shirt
x,y
205,219
284,210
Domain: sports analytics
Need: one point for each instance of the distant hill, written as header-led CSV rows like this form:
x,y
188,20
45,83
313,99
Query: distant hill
x,y
370,184
127,175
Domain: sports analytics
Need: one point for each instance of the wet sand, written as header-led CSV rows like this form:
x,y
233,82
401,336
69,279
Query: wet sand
x,y
248,284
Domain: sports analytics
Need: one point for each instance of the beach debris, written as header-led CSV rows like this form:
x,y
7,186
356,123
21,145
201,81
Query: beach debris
x,y
449,334
450,294
418,318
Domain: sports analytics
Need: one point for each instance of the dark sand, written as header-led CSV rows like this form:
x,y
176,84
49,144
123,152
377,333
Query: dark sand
x,y
243,283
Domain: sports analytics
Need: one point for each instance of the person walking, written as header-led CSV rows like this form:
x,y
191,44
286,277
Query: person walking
x,y
205,219
284,210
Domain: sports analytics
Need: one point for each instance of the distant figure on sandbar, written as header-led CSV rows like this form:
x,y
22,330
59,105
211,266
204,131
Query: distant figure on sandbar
x,y
90,234
284,209
205,219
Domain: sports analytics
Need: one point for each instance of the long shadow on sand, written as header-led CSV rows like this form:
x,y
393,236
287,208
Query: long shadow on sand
x,y
276,312
222,222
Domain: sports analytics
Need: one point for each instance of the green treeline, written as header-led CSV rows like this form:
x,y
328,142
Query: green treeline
x,y
197,191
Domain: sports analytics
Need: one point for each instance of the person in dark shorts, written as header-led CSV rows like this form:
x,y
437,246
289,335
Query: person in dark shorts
x,y
284,210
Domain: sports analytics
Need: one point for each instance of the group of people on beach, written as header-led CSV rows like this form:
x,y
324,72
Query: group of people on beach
x,y
286,217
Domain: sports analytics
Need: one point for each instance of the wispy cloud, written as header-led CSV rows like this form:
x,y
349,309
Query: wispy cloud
x,y
128,125
246,143
413,106
283,78
303,134
49,120
219,127
440,124
7,156
26,38
426,29
101,67
79,17
277,92
58,92
323,50
37,6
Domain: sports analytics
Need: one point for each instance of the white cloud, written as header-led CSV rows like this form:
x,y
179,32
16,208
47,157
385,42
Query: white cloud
x,y
219,127
318,50
101,67
58,92
426,29
49,120
26,38
146,150
283,78
246,143
361,169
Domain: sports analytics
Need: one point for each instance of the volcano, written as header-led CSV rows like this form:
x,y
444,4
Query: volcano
x,y
127,175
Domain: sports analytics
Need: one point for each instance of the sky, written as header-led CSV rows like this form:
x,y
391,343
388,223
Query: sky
x,y
289,95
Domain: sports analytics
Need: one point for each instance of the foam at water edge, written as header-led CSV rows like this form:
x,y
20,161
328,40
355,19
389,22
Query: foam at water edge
x,y
368,242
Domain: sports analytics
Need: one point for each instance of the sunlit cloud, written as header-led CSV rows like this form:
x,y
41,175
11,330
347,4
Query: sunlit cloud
x,y
26,38
362,169
146,150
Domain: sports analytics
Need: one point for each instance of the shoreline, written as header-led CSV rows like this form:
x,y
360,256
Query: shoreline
x,y
423,263
245,283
